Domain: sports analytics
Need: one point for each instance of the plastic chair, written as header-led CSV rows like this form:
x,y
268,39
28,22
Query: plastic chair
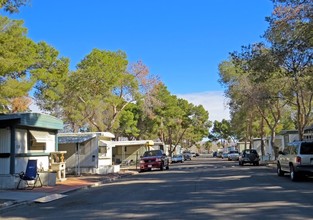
x,y
30,174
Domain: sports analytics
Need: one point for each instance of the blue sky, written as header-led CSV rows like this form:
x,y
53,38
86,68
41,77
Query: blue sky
x,y
182,41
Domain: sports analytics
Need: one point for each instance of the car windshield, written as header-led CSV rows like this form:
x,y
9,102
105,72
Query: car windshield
x,y
233,152
152,153
306,148
250,151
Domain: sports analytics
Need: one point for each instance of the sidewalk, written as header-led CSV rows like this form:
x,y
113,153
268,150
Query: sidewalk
x,y
43,194
269,163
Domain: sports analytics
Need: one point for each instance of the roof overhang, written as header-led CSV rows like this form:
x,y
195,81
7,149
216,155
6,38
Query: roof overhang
x,y
74,138
134,143
103,143
41,136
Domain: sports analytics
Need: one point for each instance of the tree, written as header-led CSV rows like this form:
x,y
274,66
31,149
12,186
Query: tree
x,y
222,131
262,86
51,74
290,33
253,96
18,56
146,101
128,122
179,122
12,6
100,89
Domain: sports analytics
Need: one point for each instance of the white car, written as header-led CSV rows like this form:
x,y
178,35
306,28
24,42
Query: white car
x,y
233,155
296,159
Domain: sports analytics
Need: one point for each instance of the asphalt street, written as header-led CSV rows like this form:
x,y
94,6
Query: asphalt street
x,y
203,188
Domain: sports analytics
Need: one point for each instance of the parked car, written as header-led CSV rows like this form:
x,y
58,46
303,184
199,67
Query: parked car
x,y
224,155
187,155
250,156
154,159
296,159
214,154
219,153
193,154
178,158
233,155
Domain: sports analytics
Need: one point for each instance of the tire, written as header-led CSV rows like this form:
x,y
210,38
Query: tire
x,y
294,176
162,167
141,171
167,167
279,171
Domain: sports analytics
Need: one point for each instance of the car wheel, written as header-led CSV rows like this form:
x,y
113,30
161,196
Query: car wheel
x,y
294,176
279,171
162,167
167,167
140,171
257,164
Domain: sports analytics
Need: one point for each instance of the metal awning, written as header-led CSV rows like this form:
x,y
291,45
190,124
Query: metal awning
x,y
41,136
103,143
70,139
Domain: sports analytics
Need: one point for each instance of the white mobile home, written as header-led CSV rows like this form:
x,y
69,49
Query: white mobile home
x,y
89,152
126,151
25,136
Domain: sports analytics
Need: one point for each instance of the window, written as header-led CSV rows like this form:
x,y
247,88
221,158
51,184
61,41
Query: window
x,y
306,148
293,150
286,149
37,140
103,150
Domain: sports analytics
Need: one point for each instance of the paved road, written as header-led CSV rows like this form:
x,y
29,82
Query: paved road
x,y
204,188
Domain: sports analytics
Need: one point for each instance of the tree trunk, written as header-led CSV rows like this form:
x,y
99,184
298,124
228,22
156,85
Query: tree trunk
x,y
273,145
262,137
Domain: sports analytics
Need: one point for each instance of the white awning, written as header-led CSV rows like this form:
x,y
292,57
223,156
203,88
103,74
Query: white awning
x,y
107,134
41,136
103,143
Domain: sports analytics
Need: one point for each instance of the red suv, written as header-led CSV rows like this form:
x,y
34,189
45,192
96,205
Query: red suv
x,y
154,159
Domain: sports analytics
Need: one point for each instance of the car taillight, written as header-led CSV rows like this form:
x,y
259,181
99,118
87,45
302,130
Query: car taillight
x,y
298,159
142,161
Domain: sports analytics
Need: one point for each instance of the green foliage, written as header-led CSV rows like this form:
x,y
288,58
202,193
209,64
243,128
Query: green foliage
x,y
18,56
271,84
103,94
221,130
12,6
128,123
51,74
100,88
179,122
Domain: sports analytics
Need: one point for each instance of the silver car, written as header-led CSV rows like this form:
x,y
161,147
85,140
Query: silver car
x,y
233,155
296,159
